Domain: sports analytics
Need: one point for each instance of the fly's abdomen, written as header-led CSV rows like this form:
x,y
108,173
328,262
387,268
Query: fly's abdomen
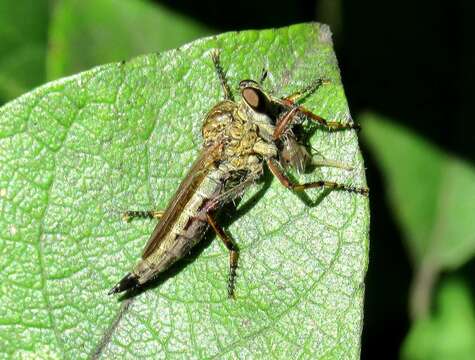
x,y
186,231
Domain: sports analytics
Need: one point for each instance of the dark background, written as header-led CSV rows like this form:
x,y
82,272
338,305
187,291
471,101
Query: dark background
x,y
410,60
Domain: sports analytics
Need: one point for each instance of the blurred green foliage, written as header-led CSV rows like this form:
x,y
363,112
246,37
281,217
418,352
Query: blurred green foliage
x,y
23,46
450,332
86,33
432,195
45,40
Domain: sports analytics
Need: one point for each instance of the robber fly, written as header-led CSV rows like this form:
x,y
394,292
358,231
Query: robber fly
x,y
239,139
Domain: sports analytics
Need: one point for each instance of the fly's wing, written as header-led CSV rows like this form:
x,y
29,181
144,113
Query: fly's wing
x,y
194,177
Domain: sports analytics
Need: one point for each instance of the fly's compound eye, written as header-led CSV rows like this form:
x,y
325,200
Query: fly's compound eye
x,y
255,98
251,96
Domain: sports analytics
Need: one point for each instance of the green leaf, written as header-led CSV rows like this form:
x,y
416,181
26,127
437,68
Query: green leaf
x,y
86,33
23,38
432,194
450,332
76,152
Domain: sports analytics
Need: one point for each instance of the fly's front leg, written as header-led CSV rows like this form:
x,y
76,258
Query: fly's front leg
x,y
134,214
287,119
310,89
330,125
233,253
263,76
284,180
221,75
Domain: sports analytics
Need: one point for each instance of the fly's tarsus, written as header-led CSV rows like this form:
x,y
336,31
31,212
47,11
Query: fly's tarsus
x,y
263,76
288,118
285,181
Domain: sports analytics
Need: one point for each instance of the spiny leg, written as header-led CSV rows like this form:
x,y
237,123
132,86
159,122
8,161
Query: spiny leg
x,y
134,214
263,76
330,125
233,253
284,180
286,120
221,75
306,91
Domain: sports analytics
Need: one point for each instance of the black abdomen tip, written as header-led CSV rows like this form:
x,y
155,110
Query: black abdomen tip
x,y
129,281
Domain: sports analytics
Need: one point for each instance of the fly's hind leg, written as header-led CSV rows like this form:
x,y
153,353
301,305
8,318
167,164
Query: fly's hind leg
x,y
221,74
138,214
284,180
229,195
233,253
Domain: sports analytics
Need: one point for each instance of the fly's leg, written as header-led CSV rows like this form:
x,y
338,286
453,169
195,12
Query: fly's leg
x,y
225,197
330,125
137,214
284,180
310,89
221,75
233,253
232,193
263,76
287,119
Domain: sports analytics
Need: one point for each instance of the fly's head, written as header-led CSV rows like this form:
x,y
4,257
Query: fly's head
x,y
257,107
264,110
254,97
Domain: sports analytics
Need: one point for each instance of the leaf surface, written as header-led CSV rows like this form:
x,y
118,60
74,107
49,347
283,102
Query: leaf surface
x,y
76,152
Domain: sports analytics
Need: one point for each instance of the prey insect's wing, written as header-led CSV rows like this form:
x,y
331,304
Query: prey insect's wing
x,y
234,192
195,175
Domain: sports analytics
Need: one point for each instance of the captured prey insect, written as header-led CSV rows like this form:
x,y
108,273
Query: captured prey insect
x,y
239,139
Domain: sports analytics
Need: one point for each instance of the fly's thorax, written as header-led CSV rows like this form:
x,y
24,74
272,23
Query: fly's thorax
x,y
244,133
217,122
